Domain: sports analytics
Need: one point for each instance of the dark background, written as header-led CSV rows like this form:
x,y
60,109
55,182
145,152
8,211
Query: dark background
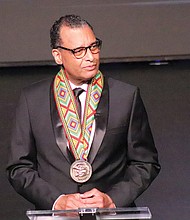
x,y
145,43
165,90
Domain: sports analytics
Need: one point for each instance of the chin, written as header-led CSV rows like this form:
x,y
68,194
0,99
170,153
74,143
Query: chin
x,y
91,74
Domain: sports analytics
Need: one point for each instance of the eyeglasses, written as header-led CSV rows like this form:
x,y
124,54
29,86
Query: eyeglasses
x,y
80,52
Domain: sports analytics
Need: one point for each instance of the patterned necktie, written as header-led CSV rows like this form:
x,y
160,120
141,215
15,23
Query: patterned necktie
x,y
77,92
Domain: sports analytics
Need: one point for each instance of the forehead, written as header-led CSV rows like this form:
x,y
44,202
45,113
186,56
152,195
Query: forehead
x,y
76,37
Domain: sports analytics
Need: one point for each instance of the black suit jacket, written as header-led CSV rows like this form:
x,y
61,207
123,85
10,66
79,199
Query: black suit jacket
x,y
122,155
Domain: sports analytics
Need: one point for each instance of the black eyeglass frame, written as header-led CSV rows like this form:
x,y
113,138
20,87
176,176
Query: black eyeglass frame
x,y
73,51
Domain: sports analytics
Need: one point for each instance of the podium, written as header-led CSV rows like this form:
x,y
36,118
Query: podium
x,y
91,214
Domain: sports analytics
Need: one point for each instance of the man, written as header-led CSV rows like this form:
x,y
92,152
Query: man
x,y
66,157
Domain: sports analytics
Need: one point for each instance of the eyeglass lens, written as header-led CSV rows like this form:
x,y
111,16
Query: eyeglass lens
x,y
94,48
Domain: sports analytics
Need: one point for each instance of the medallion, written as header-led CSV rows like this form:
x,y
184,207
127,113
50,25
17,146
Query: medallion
x,y
81,171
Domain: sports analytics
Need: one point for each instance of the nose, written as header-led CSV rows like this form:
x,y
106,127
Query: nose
x,y
89,55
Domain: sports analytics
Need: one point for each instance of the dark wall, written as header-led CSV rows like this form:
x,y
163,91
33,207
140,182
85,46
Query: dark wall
x,y
130,29
166,93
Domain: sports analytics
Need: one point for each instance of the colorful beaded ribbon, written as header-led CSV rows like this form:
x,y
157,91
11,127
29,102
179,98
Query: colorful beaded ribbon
x,y
77,135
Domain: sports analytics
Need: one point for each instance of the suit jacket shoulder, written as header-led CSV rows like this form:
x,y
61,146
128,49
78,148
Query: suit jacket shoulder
x,y
39,88
115,83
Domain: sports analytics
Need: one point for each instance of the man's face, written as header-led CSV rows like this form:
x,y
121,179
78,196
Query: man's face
x,y
78,70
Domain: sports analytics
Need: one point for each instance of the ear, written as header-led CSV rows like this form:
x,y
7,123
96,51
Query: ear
x,y
57,56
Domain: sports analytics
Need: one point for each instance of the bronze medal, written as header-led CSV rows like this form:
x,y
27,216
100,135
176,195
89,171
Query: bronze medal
x,y
81,171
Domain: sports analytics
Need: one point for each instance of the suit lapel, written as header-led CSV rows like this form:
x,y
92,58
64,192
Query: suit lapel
x,y
58,129
101,118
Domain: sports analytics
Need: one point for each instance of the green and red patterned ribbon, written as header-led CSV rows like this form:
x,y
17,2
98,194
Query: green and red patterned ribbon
x,y
77,135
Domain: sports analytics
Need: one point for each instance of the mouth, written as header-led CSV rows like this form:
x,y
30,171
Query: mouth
x,y
90,67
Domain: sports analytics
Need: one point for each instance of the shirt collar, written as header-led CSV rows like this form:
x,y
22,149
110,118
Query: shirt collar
x,y
83,86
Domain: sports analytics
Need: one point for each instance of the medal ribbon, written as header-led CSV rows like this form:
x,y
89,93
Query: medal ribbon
x,y
77,135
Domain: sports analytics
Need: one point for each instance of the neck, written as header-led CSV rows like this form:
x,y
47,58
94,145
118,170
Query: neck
x,y
76,82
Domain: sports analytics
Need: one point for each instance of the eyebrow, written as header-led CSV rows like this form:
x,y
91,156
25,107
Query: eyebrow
x,y
84,46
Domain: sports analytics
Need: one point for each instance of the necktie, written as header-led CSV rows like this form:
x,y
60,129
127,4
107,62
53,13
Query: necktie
x,y
77,92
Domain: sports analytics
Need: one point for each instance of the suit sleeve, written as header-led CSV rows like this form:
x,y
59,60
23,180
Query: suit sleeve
x,y
142,159
22,165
